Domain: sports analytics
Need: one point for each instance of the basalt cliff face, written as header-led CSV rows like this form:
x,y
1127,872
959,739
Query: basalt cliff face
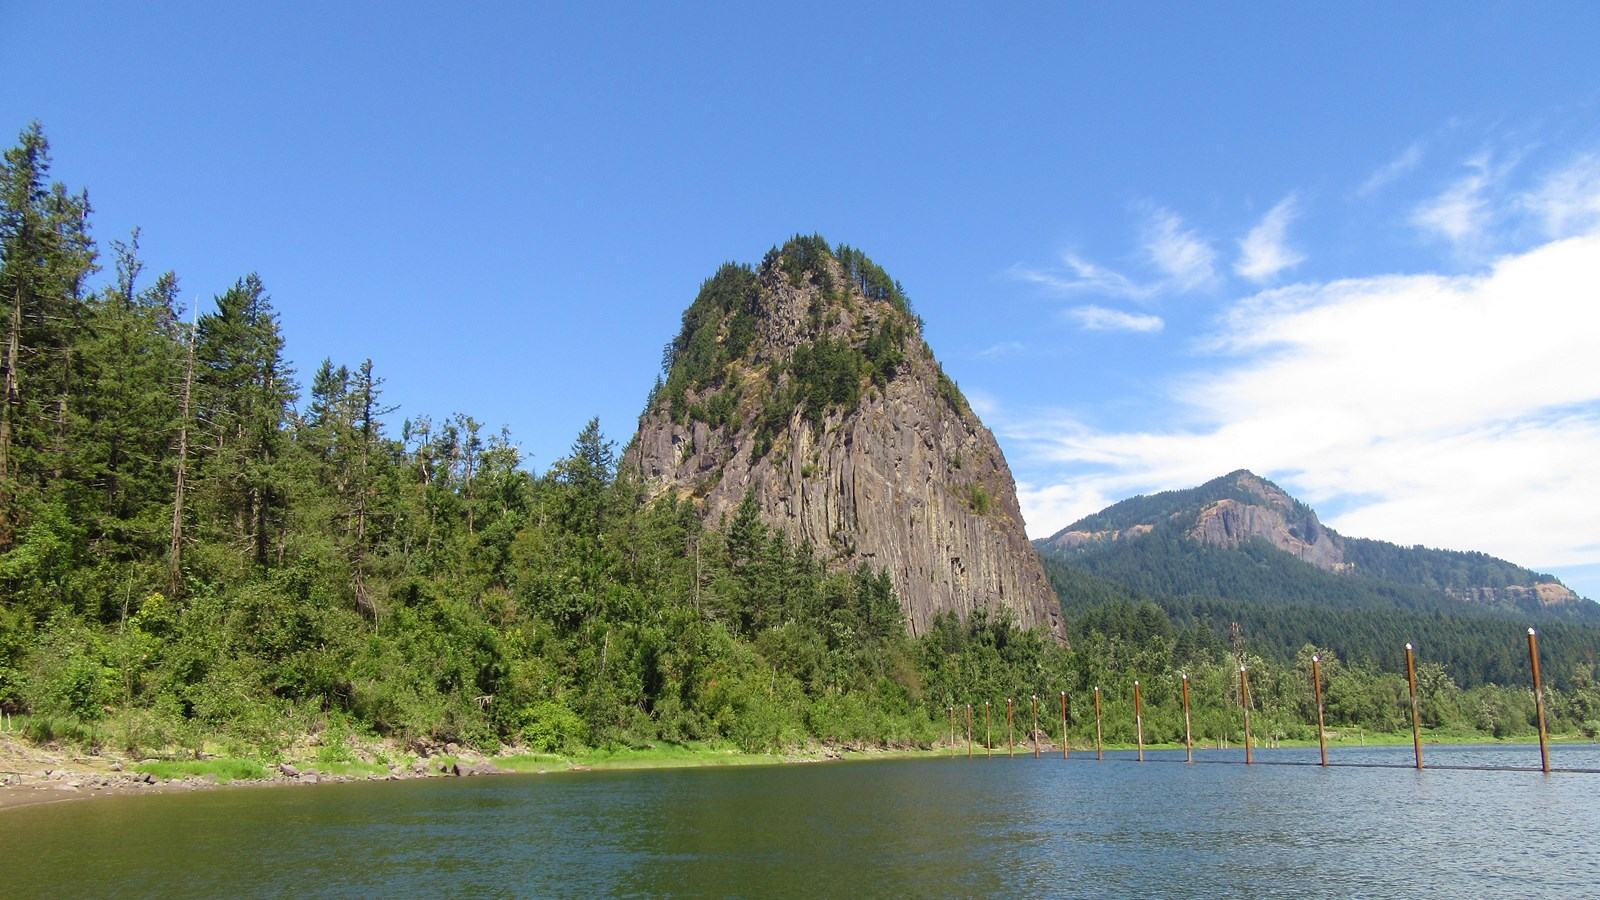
x,y
806,382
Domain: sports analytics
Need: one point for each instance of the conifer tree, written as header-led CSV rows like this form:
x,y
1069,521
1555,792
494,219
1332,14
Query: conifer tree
x,y
247,388
45,255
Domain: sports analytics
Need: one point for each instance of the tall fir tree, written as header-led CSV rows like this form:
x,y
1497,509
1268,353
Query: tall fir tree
x,y
246,391
45,256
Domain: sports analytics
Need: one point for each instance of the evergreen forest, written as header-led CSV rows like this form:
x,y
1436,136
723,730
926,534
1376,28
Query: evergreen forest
x,y
202,548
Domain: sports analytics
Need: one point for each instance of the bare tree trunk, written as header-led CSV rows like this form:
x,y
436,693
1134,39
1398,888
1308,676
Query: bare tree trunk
x,y
60,449
363,600
8,401
174,570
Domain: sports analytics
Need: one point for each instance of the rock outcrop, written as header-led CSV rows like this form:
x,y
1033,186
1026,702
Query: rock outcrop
x,y
1276,518
806,383
1542,595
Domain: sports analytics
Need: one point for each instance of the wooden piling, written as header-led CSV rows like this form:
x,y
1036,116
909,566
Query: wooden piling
x,y
988,739
1416,705
1188,727
1035,726
1099,742
1138,721
1316,690
1064,748
1538,701
1011,742
969,731
1244,700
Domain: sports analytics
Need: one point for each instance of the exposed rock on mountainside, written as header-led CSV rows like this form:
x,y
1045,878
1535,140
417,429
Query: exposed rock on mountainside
x,y
1231,512
807,383
1252,509
1276,518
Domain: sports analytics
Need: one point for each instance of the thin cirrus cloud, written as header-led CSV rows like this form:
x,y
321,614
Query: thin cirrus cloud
x,y
1460,412
1082,276
1392,171
1183,258
1099,318
1002,349
1265,251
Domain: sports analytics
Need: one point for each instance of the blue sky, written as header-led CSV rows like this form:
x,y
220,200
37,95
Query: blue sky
x,y
1353,247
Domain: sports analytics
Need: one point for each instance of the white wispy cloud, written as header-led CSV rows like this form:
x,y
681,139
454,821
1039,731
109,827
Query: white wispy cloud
x,y
1567,200
1392,171
1265,251
1180,252
1183,260
1004,348
1080,276
1462,212
1099,318
1460,412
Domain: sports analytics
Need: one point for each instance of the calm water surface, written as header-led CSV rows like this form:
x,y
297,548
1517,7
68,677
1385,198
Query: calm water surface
x,y
930,827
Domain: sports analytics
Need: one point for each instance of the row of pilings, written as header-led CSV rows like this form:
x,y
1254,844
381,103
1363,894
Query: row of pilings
x,y
988,711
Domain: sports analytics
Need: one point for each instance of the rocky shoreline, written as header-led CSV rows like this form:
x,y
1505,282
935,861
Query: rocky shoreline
x,y
31,775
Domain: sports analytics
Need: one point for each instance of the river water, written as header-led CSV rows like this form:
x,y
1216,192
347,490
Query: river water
x,y
926,827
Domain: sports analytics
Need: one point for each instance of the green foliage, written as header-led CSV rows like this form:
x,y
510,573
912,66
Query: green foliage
x,y
36,569
870,279
826,374
550,726
885,351
977,498
805,256
69,674
951,394
718,328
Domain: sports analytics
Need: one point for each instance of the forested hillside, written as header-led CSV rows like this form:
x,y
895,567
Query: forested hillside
x,y
1365,602
200,547
1242,537
195,542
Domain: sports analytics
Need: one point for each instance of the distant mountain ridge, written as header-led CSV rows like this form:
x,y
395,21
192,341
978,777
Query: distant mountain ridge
x,y
1197,542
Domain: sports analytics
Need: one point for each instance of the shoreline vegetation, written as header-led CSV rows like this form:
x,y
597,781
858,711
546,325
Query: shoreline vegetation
x,y
31,775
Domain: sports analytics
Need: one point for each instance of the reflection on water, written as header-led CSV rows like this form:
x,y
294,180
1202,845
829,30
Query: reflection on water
x,y
910,827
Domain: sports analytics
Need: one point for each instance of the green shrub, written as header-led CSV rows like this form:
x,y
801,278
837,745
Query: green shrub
x,y
550,726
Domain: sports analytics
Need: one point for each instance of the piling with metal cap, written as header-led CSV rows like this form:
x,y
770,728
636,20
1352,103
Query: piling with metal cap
x,y
1138,721
1099,742
1416,705
1316,690
1035,726
1244,700
1538,701
1011,740
1188,727
1064,749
